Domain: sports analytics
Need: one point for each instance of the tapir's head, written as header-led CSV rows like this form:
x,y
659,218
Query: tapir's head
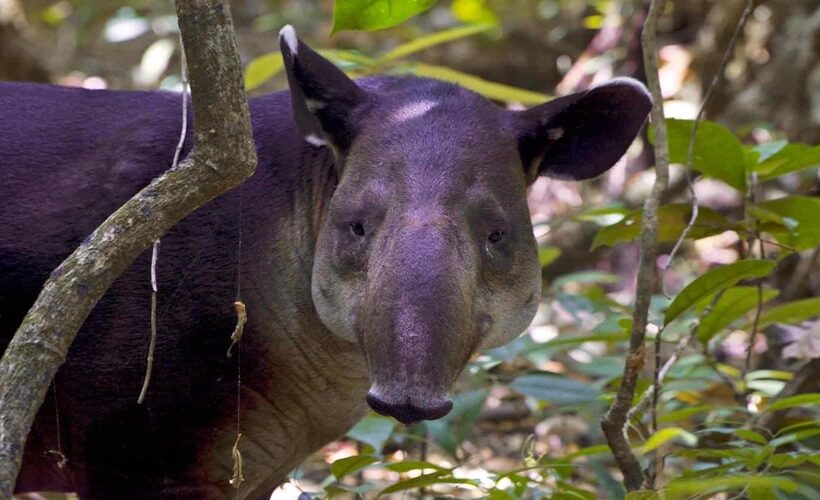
x,y
427,252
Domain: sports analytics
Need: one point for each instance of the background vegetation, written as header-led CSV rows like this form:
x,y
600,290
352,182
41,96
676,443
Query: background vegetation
x,y
732,334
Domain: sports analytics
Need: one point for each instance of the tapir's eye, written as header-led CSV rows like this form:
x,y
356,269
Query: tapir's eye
x,y
357,228
495,237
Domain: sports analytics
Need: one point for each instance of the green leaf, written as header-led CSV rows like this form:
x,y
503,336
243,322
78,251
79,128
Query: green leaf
x,y
751,436
684,413
672,219
789,158
370,15
573,340
432,40
802,213
473,11
713,281
599,449
734,303
769,149
663,436
547,255
373,430
424,480
558,390
680,488
812,399
408,465
603,216
262,69
793,312
643,495
350,465
491,90
586,278
717,153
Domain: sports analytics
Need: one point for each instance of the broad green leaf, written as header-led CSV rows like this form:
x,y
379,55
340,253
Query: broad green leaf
x,y
663,436
734,303
547,255
432,40
473,11
812,399
764,215
370,15
717,153
770,375
803,213
599,449
713,281
496,494
769,149
644,495
751,436
796,311
794,436
603,216
491,90
262,69
672,219
408,465
586,278
684,413
373,430
350,465
425,480
573,340
558,390
789,158
681,488
566,491
792,459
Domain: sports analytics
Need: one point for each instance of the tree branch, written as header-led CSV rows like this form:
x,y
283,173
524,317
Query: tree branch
x,y
223,157
613,422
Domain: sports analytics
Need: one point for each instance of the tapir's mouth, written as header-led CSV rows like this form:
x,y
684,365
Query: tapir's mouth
x,y
408,409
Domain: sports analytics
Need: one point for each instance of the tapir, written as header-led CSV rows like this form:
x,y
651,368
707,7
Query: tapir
x,y
385,238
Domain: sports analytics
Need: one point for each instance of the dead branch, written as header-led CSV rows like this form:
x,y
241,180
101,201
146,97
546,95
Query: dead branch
x,y
223,157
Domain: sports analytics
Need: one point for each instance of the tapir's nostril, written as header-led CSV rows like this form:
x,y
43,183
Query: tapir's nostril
x,y
407,411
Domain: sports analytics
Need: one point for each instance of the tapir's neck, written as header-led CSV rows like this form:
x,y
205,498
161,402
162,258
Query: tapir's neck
x,y
305,386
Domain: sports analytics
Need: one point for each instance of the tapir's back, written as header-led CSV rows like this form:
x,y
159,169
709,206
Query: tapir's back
x,y
68,159
70,156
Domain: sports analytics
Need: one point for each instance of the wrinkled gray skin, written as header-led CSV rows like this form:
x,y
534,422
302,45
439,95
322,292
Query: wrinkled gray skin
x,y
386,239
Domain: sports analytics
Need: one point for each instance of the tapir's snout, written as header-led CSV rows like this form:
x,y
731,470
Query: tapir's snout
x,y
408,409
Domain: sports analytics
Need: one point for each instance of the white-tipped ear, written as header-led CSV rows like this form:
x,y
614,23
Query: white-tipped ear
x,y
288,35
322,96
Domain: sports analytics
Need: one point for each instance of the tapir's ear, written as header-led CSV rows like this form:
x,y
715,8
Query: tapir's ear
x,y
322,96
580,136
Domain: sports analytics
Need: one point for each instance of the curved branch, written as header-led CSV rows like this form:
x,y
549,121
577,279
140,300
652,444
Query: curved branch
x,y
222,158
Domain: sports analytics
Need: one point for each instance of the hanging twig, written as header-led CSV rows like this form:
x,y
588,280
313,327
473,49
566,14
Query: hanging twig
x,y
614,421
155,253
149,366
